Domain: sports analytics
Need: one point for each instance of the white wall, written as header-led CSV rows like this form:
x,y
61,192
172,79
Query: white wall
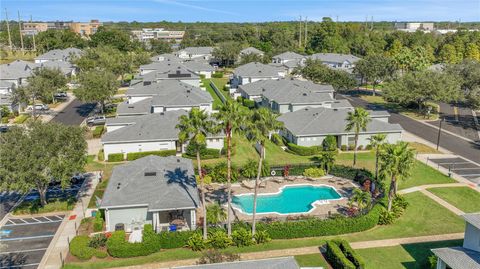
x,y
215,143
472,238
126,216
308,141
207,74
126,147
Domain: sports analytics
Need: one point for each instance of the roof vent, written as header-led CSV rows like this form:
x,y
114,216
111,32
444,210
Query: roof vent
x,y
150,174
178,160
335,109
304,94
118,185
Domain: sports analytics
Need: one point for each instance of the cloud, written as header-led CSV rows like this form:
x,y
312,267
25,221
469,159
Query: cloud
x,y
172,2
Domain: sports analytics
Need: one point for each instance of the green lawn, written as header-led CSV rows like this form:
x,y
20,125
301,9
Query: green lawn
x,y
312,260
107,172
53,205
217,102
423,217
220,83
464,198
408,256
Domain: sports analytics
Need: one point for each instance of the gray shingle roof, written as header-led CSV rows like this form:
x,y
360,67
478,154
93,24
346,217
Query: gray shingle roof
x,y
251,50
256,69
198,50
166,57
5,99
173,186
323,121
273,263
473,218
16,70
288,55
342,103
140,107
64,67
159,88
152,127
197,66
459,257
334,57
59,55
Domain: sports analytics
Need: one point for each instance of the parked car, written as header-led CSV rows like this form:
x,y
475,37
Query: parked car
x,y
4,128
61,95
39,107
96,120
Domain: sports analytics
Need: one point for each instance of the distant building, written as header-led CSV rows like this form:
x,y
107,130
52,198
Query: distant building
x,y
158,33
86,28
414,26
82,28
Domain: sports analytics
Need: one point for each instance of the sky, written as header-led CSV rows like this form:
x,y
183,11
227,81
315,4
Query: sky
x,y
242,11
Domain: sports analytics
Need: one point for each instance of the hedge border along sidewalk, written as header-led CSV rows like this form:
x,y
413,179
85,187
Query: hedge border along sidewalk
x,y
304,151
341,255
119,247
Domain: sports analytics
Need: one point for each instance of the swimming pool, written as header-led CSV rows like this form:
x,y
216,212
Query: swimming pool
x,y
291,199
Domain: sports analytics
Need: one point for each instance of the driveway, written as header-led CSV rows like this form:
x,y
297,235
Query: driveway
x,y
75,113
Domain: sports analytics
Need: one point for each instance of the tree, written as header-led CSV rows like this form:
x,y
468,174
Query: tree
x,y
42,85
159,46
215,214
58,39
375,68
357,121
396,162
330,143
230,118
194,128
96,86
361,198
316,71
114,38
448,54
415,59
42,153
250,58
327,160
227,53
472,52
422,87
377,141
262,122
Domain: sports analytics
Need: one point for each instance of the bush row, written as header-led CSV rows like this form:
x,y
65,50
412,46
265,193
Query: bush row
x,y
277,140
137,155
115,157
349,253
304,151
119,247
217,75
350,172
98,131
336,258
79,247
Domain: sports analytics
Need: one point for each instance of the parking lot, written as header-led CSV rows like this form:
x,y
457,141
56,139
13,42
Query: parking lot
x,y
461,167
25,240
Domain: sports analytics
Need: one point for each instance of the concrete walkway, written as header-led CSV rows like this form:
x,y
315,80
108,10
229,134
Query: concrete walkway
x,y
443,203
58,248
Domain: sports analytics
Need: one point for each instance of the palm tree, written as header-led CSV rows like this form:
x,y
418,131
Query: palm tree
x,y
357,121
361,198
194,128
377,141
261,124
230,118
396,161
327,159
215,214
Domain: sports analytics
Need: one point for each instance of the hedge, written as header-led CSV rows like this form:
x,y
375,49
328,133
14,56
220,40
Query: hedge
x,y
98,223
137,155
205,154
21,119
304,151
79,248
101,155
277,140
115,157
248,103
336,258
98,131
118,247
317,227
174,239
351,255
350,172
217,75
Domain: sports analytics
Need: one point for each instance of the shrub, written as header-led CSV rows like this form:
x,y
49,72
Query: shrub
x,y
336,258
98,240
115,157
205,153
101,155
314,172
217,75
350,173
343,147
386,217
196,242
432,261
137,155
304,151
351,255
368,147
98,223
118,247
250,169
329,143
98,131
219,172
215,256
248,103
277,139
178,239
21,119
100,254
202,76
80,249
360,147
219,239
351,147
261,237
242,237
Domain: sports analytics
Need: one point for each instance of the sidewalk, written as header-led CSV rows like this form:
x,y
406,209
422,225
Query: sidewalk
x,y
58,248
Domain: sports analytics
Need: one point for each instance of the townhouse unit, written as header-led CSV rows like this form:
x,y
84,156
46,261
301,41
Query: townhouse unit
x,y
254,71
251,51
195,53
336,60
61,55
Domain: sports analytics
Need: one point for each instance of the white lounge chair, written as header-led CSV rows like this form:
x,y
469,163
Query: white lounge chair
x,y
248,184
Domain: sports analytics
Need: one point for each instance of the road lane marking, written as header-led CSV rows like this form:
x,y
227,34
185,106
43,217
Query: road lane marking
x,y
25,238
21,251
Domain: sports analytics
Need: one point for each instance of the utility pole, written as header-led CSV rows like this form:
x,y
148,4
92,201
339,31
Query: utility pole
x,y
20,31
371,24
33,37
300,33
8,30
439,132
306,33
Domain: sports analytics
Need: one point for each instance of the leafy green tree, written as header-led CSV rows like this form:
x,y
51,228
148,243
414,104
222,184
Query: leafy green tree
x,y
159,46
357,121
377,141
58,39
114,38
472,52
415,59
448,54
42,153
468,73
194,128
96,86
262,122
215,214
316,71
42,85
227,53
330,143
230,117
396,162
375,68
250,58
422,87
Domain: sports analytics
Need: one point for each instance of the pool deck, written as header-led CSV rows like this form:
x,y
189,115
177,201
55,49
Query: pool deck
x,y
273,185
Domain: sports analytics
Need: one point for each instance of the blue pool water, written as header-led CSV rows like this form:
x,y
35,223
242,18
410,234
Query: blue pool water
x,y
292,199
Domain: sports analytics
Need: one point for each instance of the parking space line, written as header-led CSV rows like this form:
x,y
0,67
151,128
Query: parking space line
x,y
35,219
26,238
33,223
20,265
454,163
60,218
48,218
469,168
21,251
23,220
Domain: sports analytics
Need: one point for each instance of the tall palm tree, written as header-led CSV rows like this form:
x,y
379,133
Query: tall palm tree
x,y
230,118
396,161
377,141
262,122
194,128
357,121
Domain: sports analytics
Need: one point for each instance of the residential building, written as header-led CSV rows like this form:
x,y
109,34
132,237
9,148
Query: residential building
x,y
171,64
466,256
309,127
288,60
85,28
164,96
272,263
336,60
33,28
63,55
414,26
147,34
15,74
165,57
152,132
190,53
160,191
254,71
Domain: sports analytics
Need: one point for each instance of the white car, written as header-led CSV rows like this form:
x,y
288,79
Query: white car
x,y
38,107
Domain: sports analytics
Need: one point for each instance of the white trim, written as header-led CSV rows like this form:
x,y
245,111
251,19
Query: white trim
x,y
314,204
168,209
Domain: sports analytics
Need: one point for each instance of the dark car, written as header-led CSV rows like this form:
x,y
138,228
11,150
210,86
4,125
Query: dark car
x,y
61,95
4,129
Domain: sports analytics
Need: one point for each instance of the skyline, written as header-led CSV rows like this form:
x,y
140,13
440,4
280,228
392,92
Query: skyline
x,y
242,11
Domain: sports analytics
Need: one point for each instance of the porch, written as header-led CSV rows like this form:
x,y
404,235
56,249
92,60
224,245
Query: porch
x,y
174,220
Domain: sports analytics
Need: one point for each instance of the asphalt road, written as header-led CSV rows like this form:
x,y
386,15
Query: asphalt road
x,y
452,143
461,122
75,113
